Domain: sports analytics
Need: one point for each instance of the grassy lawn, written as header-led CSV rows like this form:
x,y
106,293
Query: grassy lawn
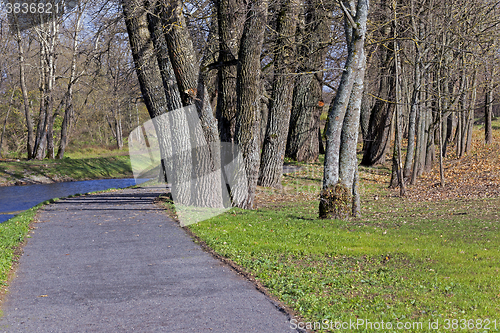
x,y
402,261
429,257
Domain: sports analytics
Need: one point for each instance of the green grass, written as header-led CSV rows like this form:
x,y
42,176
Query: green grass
x,y
402,261
117,166
93,152
12,234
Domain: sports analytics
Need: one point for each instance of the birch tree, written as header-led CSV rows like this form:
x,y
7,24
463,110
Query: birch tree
x,y
24,90
336,198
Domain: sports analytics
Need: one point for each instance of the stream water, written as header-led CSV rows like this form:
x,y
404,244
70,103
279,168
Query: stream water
x,y
15,199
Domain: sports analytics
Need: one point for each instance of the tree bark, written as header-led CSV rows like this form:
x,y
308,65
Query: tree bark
x,y
181,52
336,198
230,29
24,90
248,92
273,152
381,115
302,142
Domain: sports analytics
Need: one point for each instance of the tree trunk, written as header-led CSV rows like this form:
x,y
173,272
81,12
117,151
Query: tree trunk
x,y
230,29
160,46
248,92
398,134
348,161
146,65
210,55
302,142
115,123
412,126
419,149
430,146
356,203
206,183
24,90
51,62
153,92
381,114
336,198
365,118
470,119
181,52
488,112
462,115
48,34
68,113
273,152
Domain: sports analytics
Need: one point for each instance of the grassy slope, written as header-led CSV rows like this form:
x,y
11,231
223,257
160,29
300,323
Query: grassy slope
x,y
404,260
78,167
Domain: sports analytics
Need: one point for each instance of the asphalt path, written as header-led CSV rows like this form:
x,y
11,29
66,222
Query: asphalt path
x,y
114,262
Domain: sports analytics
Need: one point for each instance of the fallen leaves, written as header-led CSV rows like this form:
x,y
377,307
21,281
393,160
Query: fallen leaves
x,y
476,175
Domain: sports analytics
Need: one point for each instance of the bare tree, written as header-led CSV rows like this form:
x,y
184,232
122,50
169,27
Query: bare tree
x,y
336,199
248,92
313,39
271,167
24,90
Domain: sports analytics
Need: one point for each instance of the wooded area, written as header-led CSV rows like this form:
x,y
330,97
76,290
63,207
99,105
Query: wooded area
x,y
408,78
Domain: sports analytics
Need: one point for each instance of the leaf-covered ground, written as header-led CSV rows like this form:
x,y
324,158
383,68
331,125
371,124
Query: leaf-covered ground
x,y
475,175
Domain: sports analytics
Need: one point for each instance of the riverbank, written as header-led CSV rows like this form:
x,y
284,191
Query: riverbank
x,y
24,172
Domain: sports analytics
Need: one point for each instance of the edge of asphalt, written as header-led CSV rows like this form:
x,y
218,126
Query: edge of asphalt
x,y
239,270
279,305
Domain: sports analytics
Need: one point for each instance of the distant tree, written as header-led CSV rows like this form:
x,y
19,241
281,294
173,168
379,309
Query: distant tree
x,y
313,40
24,89
74,76
379,128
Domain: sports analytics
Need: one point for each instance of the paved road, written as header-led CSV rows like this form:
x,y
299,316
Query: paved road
x,y
114,262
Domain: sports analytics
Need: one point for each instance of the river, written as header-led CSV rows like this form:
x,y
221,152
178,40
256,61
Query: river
x,y
15,199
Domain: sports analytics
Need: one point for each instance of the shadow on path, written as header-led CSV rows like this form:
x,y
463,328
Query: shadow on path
x,y
114,262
